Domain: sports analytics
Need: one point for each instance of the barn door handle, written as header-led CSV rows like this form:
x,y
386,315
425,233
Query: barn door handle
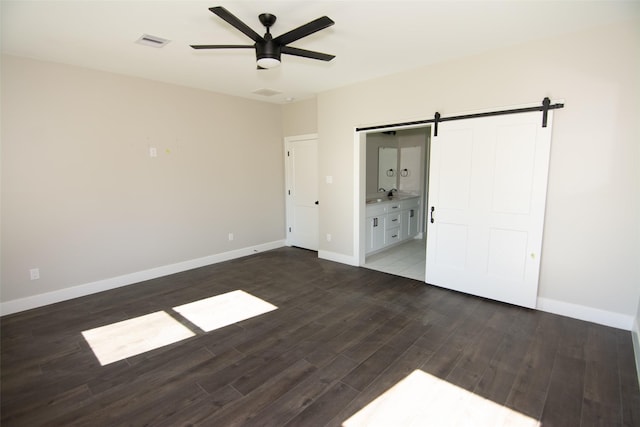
x,y
432,209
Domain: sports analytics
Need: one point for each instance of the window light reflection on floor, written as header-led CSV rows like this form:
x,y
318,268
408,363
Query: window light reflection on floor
x,y
421,399
223,310
117,341
131,337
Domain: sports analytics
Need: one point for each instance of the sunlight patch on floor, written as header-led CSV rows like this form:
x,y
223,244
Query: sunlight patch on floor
x,y
117,341
120,340
421,399
223,310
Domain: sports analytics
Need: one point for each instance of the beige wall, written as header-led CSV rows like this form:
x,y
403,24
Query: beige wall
x,y
592,232
300,118
83,201
635,336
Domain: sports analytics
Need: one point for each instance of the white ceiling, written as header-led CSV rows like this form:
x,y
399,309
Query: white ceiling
x,y
370,38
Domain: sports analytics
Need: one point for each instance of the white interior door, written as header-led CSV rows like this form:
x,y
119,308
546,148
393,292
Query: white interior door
x,y
487,193
301,159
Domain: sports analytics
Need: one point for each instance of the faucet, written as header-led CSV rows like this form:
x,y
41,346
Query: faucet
x,y
391,192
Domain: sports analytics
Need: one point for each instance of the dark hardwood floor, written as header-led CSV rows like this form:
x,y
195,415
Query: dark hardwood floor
x,y
340,338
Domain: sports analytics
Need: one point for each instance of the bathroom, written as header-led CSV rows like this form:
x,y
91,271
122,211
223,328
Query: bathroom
x,y
397,178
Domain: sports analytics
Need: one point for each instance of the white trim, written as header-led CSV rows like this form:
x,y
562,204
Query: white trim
x,y
635,337
359,191
590,314
336,257
22,304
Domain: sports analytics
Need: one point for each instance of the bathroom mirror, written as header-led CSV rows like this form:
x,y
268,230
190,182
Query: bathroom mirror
x,y
387,168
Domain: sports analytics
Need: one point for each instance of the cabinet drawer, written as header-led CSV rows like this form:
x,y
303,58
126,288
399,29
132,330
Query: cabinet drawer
x,y
392,236
393,220
393,207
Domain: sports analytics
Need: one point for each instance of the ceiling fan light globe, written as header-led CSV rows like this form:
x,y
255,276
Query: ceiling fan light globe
x,y
268,62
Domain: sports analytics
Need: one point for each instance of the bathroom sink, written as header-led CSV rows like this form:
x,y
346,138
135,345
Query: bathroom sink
x,y
387,198
381,199
378,200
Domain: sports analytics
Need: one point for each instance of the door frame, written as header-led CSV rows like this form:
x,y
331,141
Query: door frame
x,y
288,141
360,188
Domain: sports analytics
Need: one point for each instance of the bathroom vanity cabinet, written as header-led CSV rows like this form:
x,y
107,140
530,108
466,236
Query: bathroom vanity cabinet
x,y
390,221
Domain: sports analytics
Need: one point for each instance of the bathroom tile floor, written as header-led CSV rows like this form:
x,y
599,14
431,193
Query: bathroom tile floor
x,y
406,260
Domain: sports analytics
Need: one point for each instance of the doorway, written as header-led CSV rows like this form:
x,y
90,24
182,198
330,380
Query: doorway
x,y
396,173
486,201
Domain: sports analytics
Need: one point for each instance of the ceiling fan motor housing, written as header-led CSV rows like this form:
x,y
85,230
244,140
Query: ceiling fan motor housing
x,y
268,49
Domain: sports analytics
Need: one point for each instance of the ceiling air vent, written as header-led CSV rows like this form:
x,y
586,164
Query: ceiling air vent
x,y
152,41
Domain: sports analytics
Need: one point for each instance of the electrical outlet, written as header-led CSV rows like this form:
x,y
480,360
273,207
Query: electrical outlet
x,y
230,236
34,273
153,152
328,237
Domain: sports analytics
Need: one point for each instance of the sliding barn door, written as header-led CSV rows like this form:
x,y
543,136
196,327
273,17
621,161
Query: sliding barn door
x,y
487,192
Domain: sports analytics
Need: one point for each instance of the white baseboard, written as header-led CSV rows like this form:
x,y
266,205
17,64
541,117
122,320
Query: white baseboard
x,y
341,258
22,304
590,314
635,336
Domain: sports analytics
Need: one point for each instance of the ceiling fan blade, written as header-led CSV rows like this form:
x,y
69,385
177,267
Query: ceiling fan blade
x,y
307,53
233,20
304,30
221,46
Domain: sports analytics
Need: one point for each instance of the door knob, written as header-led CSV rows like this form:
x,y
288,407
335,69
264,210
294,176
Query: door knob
x,y
317,203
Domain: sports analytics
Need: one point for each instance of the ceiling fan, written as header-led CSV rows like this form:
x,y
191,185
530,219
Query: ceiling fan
x,y
268,49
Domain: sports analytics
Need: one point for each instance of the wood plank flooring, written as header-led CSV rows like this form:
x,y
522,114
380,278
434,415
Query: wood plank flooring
x,y
340,338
